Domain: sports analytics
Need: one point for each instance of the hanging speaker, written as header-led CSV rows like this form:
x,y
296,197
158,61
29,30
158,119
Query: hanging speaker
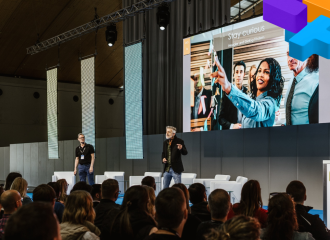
x,y
1,92
111,101
36,95
75,98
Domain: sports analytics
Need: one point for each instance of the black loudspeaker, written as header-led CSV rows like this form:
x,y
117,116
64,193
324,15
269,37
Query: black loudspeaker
x,y
75,98
111,101
36,95
1,92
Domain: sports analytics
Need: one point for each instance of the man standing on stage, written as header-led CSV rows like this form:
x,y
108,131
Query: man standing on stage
x,y
173,147
84,160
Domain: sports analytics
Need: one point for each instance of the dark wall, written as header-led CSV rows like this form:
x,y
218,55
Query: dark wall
x,y
273,156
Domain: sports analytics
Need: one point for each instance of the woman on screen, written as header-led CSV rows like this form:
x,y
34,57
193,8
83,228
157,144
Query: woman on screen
x,y
266,93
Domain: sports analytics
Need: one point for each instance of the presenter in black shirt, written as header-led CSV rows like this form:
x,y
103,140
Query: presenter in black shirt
x,y
84,160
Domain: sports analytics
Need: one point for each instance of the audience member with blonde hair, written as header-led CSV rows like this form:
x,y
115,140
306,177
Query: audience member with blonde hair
x,y
20,185
152,199
78,218
63,189
237,228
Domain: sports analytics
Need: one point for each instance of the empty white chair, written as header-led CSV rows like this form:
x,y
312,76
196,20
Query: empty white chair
x,y
186,178
136,180
68,176
234,187
119,176
206,181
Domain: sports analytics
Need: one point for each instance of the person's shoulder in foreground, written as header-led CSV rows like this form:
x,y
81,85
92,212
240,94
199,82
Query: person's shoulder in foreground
x,y
156,236
296,235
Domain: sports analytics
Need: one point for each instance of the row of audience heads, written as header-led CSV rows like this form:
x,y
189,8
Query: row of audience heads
x,y
169,209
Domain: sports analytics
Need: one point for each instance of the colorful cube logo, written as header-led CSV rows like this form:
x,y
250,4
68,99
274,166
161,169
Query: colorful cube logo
x,y
306,24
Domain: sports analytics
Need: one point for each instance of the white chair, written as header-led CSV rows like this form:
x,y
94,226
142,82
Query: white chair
x,y
68,176
119,176
206,181
233,187
136,180
186,178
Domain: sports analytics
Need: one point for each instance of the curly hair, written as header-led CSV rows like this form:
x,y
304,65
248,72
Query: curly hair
x,y
276,82
79,208
237,228
282,219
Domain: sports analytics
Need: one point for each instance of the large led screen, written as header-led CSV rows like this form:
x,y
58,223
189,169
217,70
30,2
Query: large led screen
x,y
242,76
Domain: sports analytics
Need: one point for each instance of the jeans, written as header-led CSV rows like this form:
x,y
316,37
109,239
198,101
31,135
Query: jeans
x,y
168,177
83,171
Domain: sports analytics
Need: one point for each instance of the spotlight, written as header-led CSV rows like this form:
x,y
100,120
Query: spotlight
x,y
163,17
111,35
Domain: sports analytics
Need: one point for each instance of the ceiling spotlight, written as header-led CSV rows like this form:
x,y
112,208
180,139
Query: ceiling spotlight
x,y
111,35
163,17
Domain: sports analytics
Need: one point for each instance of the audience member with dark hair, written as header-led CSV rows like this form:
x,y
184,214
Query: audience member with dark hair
x,y
78,217
198,198
307,222
45,193
81,186
133,220
171,214
219,205
10,201
56,186
151,202
282,220
96,194
39,223
250,204
10,179
63,189
20,185
192,223
110,192
149,181
237,228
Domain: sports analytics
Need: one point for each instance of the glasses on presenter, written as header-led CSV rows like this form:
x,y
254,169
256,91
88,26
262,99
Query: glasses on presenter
x,y
173,148
84,160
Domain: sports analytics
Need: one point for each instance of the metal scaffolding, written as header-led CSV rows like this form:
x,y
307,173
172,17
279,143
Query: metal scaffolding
x,y
114,17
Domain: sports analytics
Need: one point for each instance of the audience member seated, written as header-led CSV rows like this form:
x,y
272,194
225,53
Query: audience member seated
x,y
78,217
45,193
10,201
149,181
10,179
56,187
192,223
152,199
282,220
39,223
171,214
219,205
1,210
110,192
198,198
307,222
20,185
96,194
133,220
237,228
63,189
250,204
81,186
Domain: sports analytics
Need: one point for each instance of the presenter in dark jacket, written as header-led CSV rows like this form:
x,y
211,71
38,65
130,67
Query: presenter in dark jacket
x,y
230,117
173,147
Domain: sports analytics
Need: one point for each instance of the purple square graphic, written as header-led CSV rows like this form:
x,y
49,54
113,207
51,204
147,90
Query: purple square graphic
x,y
287,14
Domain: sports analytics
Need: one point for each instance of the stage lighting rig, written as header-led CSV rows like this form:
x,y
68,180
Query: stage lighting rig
x,y
111,35
163,16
